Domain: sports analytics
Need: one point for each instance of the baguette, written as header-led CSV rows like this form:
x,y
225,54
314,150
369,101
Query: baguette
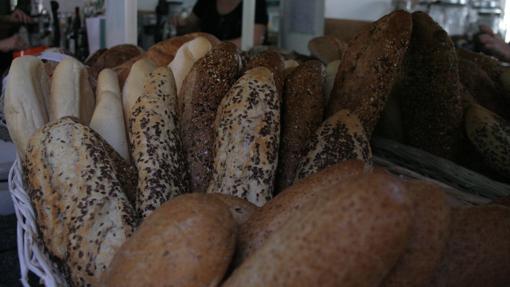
x,y
189,241
302,113
108,117
26,100
156,145
340,138
353,237
76,186
203,89
247,138
71,93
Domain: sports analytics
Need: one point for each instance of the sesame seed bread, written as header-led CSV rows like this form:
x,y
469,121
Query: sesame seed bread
x,y
272,60
156,144
75,183
247,138
203,89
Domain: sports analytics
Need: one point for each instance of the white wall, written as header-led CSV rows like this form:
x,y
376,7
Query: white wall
x,y
368,10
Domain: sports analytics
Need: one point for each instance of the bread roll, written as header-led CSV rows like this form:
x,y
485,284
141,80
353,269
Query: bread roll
x,y
302,114
429,92
327,48
272,60
108,117
429,235
490,65
340,138
241,209
477,253
26,100
276,213
133,88
352,238
189,241
156,145
247,138
186,56
71,93
75,184
331,70
370,68
207,83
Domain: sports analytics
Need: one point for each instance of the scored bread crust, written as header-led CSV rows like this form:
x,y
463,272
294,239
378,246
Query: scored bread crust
x,y
75,183
156,144
247,138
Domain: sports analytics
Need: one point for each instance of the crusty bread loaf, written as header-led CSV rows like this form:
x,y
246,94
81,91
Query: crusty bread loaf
x,y
489,64
241,209
207,83
123,69
108,117
302,113
429,92
331,70
26,100
272,60
339,138
71,93
189,241
429,235
247,138
352,238
370,67
76,188
477,253
156,144
276,213
186,56
327,48
133,87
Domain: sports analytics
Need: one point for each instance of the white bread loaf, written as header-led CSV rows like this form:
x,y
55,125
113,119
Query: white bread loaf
x,y
71,93
26,100
108,118
247,138
133,87
186,56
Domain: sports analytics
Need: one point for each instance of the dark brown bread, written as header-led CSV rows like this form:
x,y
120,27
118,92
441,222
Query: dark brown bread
x,y
341,137
202,91
76,188
478,253
327,48
490,65
272,60
351,238
302,113
370,68
429,92
277,212
429,235
189,241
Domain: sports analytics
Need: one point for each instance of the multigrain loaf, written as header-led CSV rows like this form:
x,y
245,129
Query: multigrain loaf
x,y
429,91
489,64
188,241
26,100
352,238
203,89
302,113
341,137
156,144
76,185
477,253
276,213
429,235
247,138
370,68
272,60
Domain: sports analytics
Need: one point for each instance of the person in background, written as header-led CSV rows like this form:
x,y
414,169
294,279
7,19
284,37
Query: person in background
x,y
223,19
493,44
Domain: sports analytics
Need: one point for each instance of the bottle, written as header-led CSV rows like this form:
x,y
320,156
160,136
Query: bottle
x,y
68,34
76,38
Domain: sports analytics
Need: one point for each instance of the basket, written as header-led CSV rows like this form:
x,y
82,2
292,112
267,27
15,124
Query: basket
x,y
31,252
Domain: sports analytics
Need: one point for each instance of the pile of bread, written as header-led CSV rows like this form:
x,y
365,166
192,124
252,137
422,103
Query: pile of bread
x,y
204,166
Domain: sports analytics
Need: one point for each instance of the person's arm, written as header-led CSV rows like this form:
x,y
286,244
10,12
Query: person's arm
x,y
12,43
258,36
16,17
494,44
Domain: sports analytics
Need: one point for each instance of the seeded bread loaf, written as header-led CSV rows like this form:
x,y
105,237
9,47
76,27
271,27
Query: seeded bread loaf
x,y
272,60
302,113
247,138
370,68
206,84
188,241
352,238
156,144
75,182
339,138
